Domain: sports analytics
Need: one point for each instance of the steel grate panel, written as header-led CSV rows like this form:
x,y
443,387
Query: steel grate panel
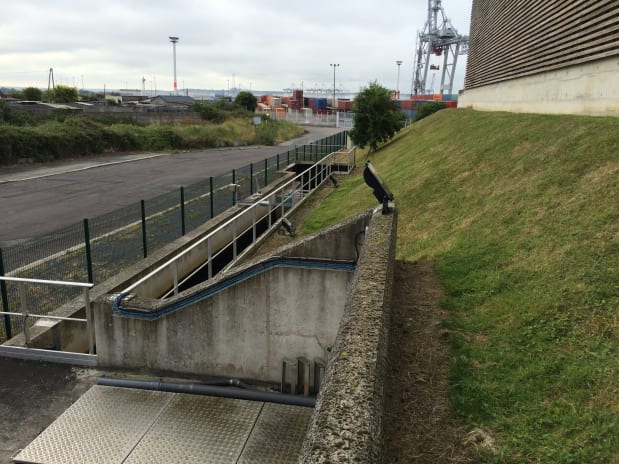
x,y
102,427
112,425
278,435
202,429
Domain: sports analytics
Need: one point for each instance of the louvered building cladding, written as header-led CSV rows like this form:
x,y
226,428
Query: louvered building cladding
x,y
515,38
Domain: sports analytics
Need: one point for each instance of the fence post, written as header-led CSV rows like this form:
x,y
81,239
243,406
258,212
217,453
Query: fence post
x,y
5,301
288,158
251,178
144,242
211,196
182,210
266,169
304,152
296,154
88,252
278,161
233,187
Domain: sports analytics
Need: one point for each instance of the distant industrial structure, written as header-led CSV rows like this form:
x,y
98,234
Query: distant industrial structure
x,y
543,57
439,38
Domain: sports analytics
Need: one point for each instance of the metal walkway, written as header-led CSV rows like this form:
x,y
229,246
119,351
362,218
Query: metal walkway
x,y
111,425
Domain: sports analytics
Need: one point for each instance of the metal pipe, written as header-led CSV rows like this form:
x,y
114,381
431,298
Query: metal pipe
x,y
210,390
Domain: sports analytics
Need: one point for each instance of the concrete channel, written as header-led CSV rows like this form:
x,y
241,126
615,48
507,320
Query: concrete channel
x,y
304,319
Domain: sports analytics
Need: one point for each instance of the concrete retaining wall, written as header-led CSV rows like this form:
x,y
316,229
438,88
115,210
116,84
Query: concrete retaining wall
x,y
244,331
587,89
347,423
247,328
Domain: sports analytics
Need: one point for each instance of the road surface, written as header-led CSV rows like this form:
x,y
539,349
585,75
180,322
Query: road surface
x,y
39,200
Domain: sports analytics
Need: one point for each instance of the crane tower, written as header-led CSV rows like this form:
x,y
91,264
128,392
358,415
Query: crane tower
x,y
438,38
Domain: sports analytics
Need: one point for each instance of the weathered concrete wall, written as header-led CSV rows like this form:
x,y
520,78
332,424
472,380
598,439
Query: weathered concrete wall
x,y
145,115
587,89
243,331
347,423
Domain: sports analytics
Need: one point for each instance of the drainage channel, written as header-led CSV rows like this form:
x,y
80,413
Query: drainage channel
x,y
236,236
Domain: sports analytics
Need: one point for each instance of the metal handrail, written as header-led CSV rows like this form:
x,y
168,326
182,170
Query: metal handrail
x,y
263,201
21,281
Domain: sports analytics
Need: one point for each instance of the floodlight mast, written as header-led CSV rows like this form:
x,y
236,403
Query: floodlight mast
x,y
174,41
440,39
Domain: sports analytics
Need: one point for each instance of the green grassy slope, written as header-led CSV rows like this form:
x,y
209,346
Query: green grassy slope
x,y
521,215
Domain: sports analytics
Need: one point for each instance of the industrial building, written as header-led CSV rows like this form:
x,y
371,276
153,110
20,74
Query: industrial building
x,y
543,57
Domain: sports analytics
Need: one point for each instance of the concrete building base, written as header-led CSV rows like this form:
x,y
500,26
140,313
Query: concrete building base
x,y
585,89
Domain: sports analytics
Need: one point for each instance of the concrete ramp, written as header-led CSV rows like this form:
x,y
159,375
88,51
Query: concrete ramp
x,y
111,425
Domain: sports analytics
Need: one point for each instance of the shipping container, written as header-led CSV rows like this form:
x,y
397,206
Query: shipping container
x,y
344,104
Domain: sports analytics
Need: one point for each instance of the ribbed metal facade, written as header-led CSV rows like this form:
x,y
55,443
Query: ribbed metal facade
x,y
516,38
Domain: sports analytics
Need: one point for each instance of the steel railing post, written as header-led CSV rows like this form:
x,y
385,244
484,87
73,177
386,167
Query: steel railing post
x,y
253,226
24,311
211,197
88,251
182,211
144,241
234,239
175,276
266,169
209,255
5,301
89,324
233,187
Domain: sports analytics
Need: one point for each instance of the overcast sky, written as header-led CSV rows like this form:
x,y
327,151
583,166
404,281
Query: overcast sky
x,y
257,45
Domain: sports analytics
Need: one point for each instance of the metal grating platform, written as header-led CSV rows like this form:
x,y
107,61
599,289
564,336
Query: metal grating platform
x,y
117,425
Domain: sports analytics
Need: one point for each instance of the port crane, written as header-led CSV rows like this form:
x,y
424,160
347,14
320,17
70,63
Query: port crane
x,y
439,38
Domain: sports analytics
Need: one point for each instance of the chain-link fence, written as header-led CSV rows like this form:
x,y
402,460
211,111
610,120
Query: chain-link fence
x,y
100,247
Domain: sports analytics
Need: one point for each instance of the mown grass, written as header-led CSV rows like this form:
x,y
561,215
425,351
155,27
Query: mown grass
x,y
520,214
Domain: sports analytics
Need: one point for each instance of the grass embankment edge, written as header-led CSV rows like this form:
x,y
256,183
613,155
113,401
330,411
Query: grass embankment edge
x,y
520,214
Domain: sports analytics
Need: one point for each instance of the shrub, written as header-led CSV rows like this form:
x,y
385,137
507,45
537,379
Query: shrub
x,y
428,108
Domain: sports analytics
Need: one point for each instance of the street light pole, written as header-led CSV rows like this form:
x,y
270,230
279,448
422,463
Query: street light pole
x,y
174,40
334,65
397,87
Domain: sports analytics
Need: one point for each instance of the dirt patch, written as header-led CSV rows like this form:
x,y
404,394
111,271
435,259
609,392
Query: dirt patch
x,y
418,425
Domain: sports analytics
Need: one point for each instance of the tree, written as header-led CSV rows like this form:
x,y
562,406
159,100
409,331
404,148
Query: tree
x,y
377,117
5,111
64,94
32,94
246,100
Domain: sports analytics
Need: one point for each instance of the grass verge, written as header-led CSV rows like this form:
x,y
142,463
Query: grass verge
x,y
81,135
521,215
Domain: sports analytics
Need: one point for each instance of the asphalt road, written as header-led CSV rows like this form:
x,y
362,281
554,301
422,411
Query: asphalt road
x,y
45,198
